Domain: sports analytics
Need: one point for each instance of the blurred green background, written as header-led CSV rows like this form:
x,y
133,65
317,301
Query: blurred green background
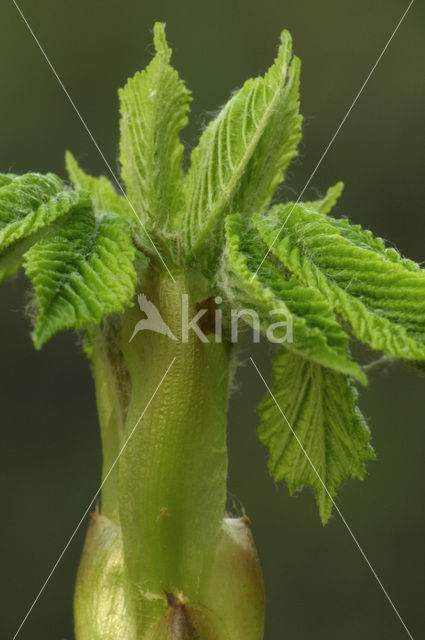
x,y
318,585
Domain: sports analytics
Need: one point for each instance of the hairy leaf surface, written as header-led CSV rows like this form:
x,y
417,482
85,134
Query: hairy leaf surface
x,y
81,273
378,292
6,178
242,155
29,204
105,198
320,406
276,296
154,106
326,204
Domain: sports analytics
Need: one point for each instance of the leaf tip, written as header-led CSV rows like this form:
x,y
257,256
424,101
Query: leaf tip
x,y
73,169
286,39
160,40
339,187
360,375
325,503
38,339
335,192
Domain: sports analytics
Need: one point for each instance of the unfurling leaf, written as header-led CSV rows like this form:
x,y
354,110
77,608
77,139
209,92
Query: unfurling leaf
x,y
29,204
326,204
154,106
243,154
380,294
105,198
320,406
81,273
277,296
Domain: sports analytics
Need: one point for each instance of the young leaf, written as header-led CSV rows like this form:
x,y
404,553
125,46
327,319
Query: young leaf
x,y
29,204
154,106
355,233
81,273
6,178
104,196
379,293
320,406
242,155
326,204
277,296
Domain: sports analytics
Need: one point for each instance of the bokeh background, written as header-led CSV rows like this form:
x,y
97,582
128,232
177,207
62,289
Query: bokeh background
x,y
318,585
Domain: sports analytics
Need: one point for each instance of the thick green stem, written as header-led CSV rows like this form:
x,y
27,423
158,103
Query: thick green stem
x,y
162,552
174,468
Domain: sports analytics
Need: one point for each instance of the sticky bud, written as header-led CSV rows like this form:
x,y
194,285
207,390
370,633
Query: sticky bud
x,y
102,610
234,590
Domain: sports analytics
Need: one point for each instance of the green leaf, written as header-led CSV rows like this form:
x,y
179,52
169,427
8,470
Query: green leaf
x,y
81,273
105,198
326,204
154,106
29,204
6,178
320,406
379,293
277,296
242,155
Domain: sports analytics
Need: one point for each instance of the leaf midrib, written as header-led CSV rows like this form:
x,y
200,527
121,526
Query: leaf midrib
x,y
237,174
